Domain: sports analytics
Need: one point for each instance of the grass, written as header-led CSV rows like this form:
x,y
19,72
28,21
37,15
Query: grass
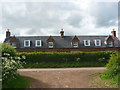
x,y
19,82
97,82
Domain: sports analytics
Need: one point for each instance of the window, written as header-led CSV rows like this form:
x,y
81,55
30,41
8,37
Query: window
x,y
14,44
50,44
86,42
110,44
27,43
38,43
97,42
75,44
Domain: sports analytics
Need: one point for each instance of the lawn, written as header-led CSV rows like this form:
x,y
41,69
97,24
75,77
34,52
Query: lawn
x,y
19,82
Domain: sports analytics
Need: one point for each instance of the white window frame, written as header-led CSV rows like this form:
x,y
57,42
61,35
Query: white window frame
x,y
111,44
14,45
25,43
36,43
49,45
86,44
98,41
75,44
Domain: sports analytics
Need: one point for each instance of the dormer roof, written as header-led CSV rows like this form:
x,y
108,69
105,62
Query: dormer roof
x,y
50,39
75,38
109,38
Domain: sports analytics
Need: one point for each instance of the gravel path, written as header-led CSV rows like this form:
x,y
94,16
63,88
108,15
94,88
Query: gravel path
x,y
60,77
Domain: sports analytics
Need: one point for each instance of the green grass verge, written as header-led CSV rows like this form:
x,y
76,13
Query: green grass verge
x,y
19,82
113,80
98,82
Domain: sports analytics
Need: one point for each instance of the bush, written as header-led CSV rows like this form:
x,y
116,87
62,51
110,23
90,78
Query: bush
x,y
9,67
10,63
113,68
5,48
57,59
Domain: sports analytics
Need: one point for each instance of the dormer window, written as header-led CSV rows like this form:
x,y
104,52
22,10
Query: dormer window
x,y
38,43
86,42
50,44
109,41
97,42
14,45
14,42
110,44
26,43
75,44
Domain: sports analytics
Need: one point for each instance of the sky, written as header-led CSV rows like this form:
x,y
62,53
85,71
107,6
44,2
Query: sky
x,y
47,17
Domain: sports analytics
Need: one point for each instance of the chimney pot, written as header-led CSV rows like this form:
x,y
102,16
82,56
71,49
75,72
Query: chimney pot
x,y
113,33
62,33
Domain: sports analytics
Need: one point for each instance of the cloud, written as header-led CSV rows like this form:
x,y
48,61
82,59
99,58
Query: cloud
x,y
106,14
47,18
0,15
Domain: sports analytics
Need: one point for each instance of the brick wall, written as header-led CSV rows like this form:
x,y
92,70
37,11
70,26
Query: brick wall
x,y
68,50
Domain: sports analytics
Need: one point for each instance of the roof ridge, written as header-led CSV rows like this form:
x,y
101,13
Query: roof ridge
x,y
67,36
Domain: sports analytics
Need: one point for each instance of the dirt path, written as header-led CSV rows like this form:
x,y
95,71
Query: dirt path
x,y
60,77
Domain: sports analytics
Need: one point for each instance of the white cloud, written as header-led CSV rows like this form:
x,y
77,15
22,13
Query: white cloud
x,y
57,0
2,37
78,17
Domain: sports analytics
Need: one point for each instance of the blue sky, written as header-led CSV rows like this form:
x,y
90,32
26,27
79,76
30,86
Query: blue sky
x,y
76,17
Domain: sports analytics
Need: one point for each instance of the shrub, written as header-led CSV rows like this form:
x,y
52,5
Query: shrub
x,y
113,68
57,59
5,48
10,63
9,67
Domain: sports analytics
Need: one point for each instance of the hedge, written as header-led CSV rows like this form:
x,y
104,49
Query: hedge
x,y
63,59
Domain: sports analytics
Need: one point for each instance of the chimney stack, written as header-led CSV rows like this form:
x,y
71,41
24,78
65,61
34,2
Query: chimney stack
x,y
62,33
113,32
7,33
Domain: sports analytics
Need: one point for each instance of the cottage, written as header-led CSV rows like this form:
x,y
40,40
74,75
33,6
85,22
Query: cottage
x,y
63,43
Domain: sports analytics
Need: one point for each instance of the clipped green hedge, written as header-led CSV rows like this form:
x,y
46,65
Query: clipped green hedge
x,y
63,59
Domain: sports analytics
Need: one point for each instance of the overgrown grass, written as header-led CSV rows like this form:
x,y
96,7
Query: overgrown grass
x,y
97,82
18,82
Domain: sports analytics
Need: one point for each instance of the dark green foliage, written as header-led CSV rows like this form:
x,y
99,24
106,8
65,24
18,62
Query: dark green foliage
x,y
62,59
113,68
5,48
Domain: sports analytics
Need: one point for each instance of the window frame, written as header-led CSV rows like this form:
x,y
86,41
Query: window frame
x,y
52,44
111,44
36,43
75,46
86,44
96,42
25,43
15,45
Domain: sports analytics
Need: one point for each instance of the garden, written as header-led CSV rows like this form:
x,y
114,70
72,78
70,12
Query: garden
x,y
12,60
